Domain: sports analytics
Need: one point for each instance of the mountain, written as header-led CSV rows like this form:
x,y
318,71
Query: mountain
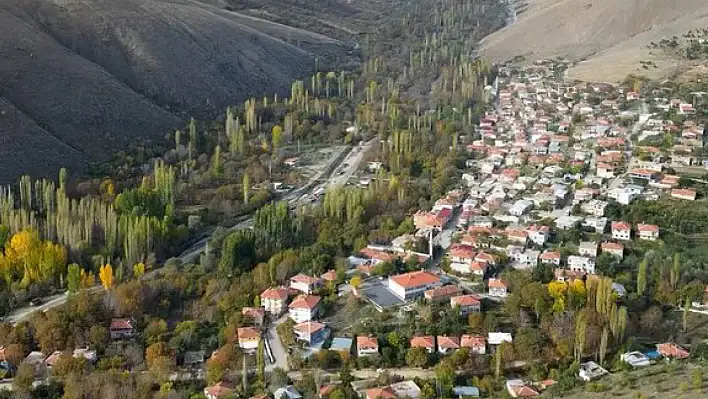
x,y
82,79
608,38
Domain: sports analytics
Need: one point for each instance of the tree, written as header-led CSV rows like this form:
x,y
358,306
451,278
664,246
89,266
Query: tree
x,y
355,282
260,360
445,377
246,187
417,357
155,332
676,271
73,278
603,344
277,136
138,269
642,278
24,377
106,276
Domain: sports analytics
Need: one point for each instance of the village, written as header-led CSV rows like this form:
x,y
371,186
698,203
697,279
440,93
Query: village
x,y
551,159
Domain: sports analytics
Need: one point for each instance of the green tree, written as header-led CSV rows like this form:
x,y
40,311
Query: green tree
x,y
445,376
417,357
642,278
246,187
73,278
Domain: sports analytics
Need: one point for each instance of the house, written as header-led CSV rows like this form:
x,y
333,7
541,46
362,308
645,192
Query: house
x,y
497,288
427,342
461,253
671,350
36,359
683,193
304,283
304,308
551,258
520,207
218,391
621,231
406,389
467,304
475,344
581,264
274,300
257,315
194,359
567,222
462,391
122,329
648,231
442,293
594,207
311,332
519,389
527,259
366,346
88,354
53,358
567,275
379,393
635,359
497,338
613,248
538,234
413,285
248,338
288,392
447,344
590,371
326,390
597,223
588,248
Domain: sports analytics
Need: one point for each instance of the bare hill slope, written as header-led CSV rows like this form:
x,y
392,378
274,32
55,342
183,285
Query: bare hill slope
x,y
611,35
84,78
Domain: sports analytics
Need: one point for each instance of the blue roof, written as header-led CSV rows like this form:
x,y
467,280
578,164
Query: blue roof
x,y
652,354
342,344
466,391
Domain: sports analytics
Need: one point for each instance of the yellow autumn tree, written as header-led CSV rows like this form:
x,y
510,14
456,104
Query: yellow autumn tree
x,y
138,269
106,276
557,290
30,260
87,279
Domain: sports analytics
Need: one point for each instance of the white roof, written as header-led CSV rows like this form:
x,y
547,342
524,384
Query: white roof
x,y
496,338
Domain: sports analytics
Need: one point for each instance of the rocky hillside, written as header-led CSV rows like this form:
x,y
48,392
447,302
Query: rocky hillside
x,y
80,79
608,37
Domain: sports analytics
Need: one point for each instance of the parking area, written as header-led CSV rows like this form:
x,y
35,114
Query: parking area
x,y
376,292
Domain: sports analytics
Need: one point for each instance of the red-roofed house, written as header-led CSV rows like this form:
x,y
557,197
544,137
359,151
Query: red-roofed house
x,y
305,283
304,308
275,299
122,329
648,231
518,389
538,234
218,391
516,235
310,331
613,248
442,293
551,258
248,338
380,393
467,304
413,285
486,258
255,314
672,351
683,193
426,342
366,346
621,231
447,344
461,253
497,288
475,344
330,276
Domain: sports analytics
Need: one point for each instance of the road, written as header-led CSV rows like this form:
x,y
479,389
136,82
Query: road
x,y
347,156
276,346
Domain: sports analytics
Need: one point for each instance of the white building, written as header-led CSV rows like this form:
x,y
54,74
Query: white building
x,y
621,231
635,359
594,207
304,308
581,264
588,248
413,285
274,300
590,371
520,207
